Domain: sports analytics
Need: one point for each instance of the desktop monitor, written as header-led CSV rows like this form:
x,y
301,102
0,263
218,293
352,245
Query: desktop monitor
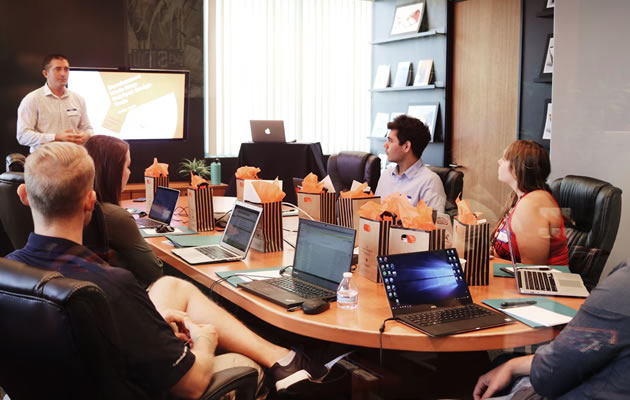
x,y
134,104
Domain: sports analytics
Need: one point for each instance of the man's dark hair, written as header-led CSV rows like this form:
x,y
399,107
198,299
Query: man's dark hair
x,y
46,61
412,130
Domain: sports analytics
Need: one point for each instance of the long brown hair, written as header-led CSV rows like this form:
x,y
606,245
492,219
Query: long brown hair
x,y
530,163
109,155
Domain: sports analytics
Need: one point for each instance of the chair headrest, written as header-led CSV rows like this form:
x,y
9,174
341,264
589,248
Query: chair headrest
x,y
12,177
580,194
20,278
15,162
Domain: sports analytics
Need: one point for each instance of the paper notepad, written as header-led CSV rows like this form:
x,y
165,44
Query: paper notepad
x,y
538,315
545,312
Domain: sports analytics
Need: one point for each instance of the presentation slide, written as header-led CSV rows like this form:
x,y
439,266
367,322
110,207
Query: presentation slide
x,y
133,105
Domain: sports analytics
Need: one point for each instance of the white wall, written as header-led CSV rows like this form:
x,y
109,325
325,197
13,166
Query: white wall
x,y
591,99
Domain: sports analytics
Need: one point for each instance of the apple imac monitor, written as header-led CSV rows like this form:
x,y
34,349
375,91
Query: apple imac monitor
x,y
134,104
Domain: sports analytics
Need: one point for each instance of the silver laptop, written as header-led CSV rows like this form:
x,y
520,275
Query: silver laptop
x,y
235,242
267,131
544,280
162,209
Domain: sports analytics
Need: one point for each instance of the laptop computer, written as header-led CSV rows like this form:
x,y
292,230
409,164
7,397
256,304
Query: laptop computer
x,y
162,209
235,242
323,252
267,131
427,291
543,280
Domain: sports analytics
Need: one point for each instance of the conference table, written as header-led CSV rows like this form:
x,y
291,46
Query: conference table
x,y
358,327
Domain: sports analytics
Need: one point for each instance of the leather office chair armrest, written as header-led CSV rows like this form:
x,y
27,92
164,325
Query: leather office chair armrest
x,y
244,380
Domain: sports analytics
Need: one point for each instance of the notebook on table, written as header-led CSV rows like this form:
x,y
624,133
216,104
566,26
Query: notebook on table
x,y
162,209
235,241
267,131
427,291
544,280
323,252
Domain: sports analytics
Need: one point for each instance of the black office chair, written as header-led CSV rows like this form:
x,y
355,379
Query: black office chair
x,y
59,341
347,166
17,221
15,162
591,227
453,182
15,217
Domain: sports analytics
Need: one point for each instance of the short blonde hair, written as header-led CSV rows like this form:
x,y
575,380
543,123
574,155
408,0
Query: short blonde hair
x,y
58,175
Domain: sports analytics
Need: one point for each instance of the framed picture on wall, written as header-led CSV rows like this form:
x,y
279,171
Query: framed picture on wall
x,y
546,126
407,18
546,70
427,113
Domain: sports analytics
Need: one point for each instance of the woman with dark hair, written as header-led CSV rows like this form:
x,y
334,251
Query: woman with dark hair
x,y
111,161
532,217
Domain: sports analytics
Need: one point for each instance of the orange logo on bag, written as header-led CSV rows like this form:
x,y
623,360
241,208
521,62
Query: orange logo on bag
x,y
366,227
307,199
410,238
242,183
148,181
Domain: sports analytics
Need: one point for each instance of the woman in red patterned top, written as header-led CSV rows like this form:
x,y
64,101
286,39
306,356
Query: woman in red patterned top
x,y
532,215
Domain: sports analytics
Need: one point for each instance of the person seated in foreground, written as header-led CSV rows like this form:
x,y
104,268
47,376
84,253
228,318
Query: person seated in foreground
x,y
532,216
170,331
589,359
406,141
130,251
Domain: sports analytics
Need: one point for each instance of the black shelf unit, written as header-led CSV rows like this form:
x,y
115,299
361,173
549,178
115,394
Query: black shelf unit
x,y
431,43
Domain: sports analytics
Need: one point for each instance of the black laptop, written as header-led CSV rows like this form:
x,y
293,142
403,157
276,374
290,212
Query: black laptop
x,y
427,291
162,209
323,252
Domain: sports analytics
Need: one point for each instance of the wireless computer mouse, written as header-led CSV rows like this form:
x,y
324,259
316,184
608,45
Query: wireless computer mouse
x,y
315,306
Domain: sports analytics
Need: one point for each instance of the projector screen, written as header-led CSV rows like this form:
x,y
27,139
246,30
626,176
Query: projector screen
x,y
135,104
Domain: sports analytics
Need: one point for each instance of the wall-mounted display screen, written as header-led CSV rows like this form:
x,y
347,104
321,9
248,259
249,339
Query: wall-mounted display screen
x,y
135,104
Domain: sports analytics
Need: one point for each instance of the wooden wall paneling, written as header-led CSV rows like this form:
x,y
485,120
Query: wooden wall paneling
x,y
485,96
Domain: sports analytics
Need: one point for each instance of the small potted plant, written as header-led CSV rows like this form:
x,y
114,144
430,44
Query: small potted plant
x,y
194,166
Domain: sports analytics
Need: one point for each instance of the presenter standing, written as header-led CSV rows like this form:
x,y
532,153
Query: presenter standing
x,y
52,112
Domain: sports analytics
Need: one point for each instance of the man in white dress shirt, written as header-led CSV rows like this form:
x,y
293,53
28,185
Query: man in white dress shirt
x,y
407,139
52,112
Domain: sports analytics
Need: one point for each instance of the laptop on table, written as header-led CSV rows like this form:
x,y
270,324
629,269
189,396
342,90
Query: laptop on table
x,y
544,280
267,131
162,209
323,252
237,237
427,291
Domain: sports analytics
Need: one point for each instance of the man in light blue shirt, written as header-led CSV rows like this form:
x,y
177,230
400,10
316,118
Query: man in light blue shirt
x,y
407,139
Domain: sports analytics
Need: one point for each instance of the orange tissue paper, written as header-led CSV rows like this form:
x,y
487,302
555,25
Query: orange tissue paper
x,y
268,192
357,193
196,181
246,172
310,184
156,169
464,214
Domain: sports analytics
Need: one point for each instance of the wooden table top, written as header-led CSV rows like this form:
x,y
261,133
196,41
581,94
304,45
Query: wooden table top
x,y
361,326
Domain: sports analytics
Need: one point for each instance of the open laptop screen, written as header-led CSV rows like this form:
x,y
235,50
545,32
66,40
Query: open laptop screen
x,y
240,227
425,280
164,204
324,252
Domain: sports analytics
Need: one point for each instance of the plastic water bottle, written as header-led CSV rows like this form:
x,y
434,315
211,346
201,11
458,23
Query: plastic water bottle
x,y
215,172
347,293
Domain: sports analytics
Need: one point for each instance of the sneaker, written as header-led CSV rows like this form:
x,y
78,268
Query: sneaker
x,y
299,369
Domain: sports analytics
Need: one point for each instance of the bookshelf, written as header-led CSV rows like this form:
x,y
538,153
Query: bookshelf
x,y
431,43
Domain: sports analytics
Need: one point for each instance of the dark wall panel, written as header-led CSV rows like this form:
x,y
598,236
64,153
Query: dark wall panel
x,y
90,34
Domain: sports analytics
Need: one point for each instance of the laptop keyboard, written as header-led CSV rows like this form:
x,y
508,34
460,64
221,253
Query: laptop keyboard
x,y
537,280
300,288
434,317
215,252
147,223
